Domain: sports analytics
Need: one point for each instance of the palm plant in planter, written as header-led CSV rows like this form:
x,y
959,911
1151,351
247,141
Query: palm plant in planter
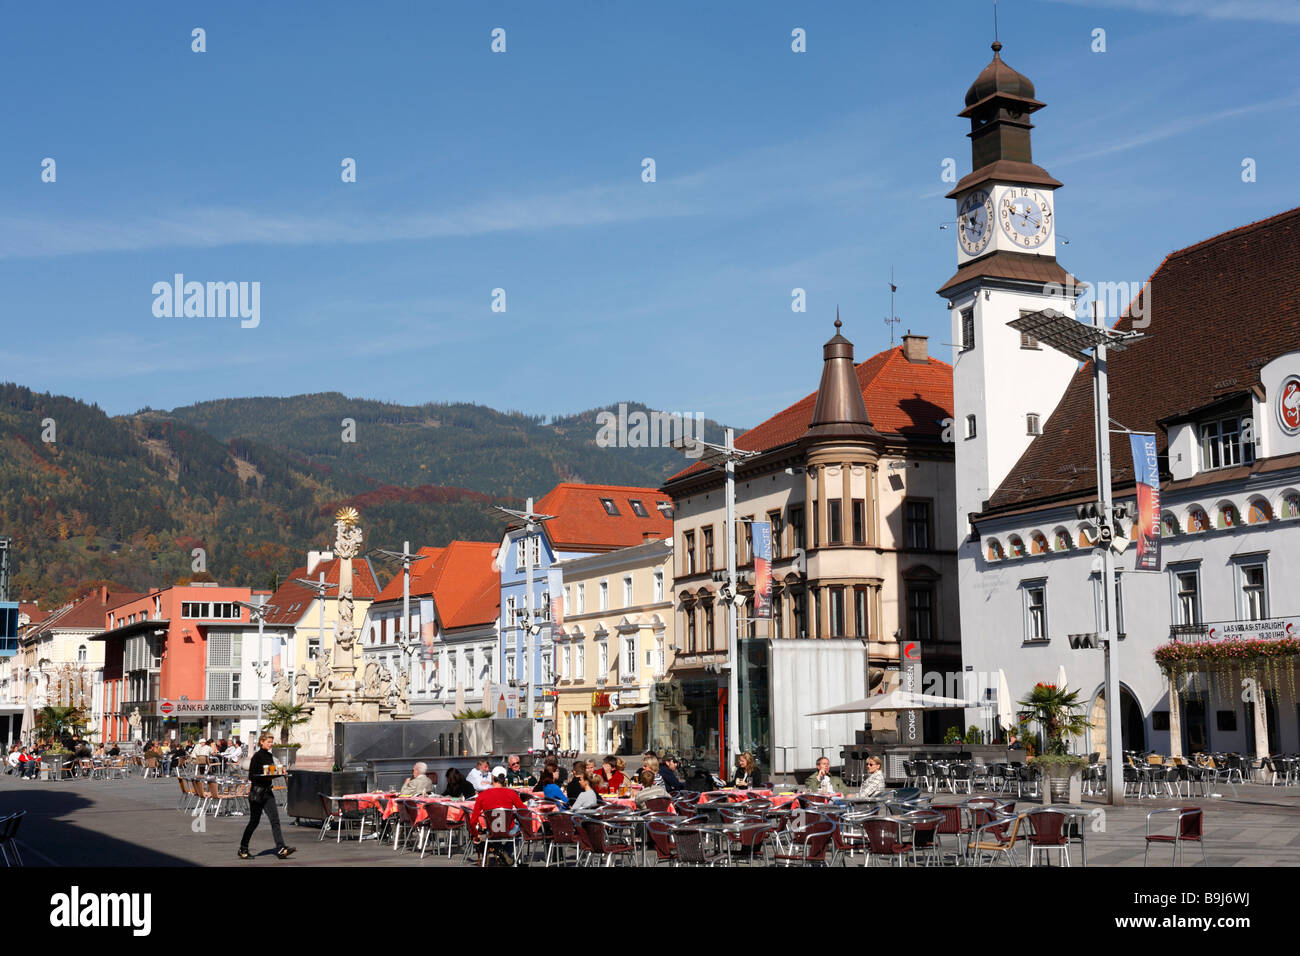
x,y
285,717
1059,715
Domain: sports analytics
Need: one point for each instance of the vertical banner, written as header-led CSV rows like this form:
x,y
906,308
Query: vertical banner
x,y
761,533
1146,471
277,645
427,629
910,728
555,585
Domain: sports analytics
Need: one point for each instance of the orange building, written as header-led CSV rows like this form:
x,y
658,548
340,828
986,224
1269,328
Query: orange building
x,y
168,653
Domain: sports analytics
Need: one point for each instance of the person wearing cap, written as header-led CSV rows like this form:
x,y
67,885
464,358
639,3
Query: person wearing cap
x,y
418,783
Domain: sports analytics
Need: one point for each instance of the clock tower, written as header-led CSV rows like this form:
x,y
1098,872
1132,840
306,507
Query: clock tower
x,y
1004,385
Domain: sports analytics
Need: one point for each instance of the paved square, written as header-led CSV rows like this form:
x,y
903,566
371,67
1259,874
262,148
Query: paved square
x,y
134,823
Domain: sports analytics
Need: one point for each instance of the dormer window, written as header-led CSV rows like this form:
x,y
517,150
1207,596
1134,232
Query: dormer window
x,y
638,508
1226,442
611,509
1032,424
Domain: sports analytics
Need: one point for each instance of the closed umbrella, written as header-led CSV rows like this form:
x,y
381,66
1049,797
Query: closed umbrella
x,y
1006,717
1060,677
29,719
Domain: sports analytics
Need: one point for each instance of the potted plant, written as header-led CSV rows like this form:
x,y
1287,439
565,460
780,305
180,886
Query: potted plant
x,y
1059,715
284,717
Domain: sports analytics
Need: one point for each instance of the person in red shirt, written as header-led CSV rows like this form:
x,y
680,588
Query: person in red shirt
x,y
496,797
615,780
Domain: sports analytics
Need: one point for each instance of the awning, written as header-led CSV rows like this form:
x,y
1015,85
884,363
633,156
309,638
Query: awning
x,y
626,713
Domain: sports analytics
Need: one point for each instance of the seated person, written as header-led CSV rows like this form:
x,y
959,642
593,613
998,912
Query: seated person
x,y
458,786
668,774
418,783
497,797
589,798
648,789
746,774
613,773
516,777
823,780
551,790
874,785
574,786
480,778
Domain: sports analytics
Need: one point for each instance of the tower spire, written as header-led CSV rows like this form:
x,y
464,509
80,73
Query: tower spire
x,y
840,412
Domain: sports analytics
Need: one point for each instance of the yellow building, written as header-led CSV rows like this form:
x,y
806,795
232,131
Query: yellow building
x,y
310,623
616,641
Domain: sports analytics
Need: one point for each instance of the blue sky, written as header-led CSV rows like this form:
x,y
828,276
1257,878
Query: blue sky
x,y
522,171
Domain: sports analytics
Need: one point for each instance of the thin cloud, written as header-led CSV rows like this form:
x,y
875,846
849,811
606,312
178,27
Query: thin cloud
x,y
1267,11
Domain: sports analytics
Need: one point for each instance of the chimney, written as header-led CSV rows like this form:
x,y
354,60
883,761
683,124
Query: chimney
x,y
103,594
914,349
316,557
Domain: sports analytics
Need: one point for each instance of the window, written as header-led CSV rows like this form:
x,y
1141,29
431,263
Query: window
x,y
628,666
747,554
708,549
1254,592
860,620
688,552
837,611
602,661
582,598
859,521
661,656
1187,596
512,613
778,621
817,525
774,518
604,595
690,630
834,521
796,528
817,612
1032,426
659,585
918,525
1027,341
638,508
800,622
519,553
512,674
580,661
627,590
708,626
1035,611
970,426
565,661
81,654
313,648
967,329
235,686
1223,444
920,613
611,509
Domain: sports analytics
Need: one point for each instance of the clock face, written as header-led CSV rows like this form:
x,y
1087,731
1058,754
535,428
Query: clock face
x,y
974,219
1026,217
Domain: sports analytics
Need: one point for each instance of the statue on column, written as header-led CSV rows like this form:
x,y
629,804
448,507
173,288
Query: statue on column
x,y
385,683
403,691
302,686
347,544
134,720
281,693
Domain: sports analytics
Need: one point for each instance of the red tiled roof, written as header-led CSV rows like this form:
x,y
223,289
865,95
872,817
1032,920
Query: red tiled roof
x,y
292,599
86,612
581,523
465,584
34,614
419,571
1218,311
903,398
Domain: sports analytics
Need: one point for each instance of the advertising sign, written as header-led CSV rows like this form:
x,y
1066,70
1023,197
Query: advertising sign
x,y
1146,471
910,727
762,537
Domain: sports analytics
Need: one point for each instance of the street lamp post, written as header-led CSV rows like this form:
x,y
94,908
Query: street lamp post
x,y
1075,339
320,587
259,668
724,457
405,640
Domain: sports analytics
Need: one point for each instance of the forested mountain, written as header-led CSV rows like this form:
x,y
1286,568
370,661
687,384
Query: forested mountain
x,y
255,482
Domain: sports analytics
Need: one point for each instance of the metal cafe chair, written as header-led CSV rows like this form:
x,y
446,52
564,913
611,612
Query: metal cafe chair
x,y
1047,833
1187,830
9,838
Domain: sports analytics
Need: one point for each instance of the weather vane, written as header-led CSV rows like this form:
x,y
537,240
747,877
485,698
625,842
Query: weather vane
x,y
891,320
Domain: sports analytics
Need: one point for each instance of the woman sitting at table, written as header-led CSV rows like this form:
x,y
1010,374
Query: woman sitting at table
x,y
574,787
458,786
874,785
551,790
614,778
746,775
589,798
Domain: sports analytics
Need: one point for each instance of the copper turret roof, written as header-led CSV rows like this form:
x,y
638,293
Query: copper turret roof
x,y
840,411
999,78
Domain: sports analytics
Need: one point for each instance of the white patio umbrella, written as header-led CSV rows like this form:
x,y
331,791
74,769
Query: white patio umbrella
x,y
1006,716
1060,677
897,700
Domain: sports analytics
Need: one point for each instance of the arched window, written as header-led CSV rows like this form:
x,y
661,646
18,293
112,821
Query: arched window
x,y
995,550
1063,542
81,654
1259,512
1038,543
1228,515
1197,519
1017,546
1290,505
1169,527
